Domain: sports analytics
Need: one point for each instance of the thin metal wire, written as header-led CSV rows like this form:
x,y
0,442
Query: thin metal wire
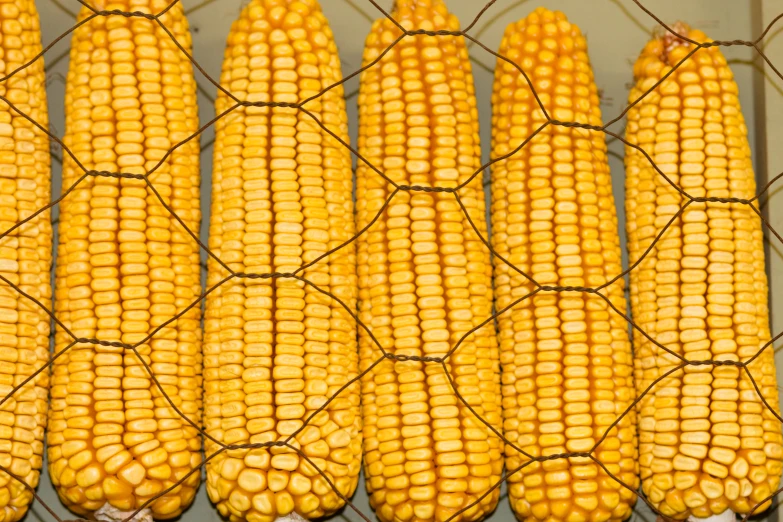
x,y
240,105
63,8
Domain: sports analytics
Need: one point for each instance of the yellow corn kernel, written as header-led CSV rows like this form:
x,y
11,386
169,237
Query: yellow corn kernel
x,y
25,256
125,266
566,355
707,442
425,278
276,350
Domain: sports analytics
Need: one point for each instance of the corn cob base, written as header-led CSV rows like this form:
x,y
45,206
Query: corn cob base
x,y
25,257
277,350
567,367
125,266
707,443
425,279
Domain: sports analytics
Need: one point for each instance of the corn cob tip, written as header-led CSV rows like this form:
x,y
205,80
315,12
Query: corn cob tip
x,y
291,517
544,23
286,14
147,6
402,6
427,15
671,40
109,513
669,47
666,49
552,21
544,15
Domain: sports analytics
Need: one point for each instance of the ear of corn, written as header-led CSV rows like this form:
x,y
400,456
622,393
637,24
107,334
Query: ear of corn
x,y
25,256
276,350
707,442
567,367
125,266
425,278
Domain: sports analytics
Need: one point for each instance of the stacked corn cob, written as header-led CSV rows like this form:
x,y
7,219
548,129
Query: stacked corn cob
x,y
425,278
277,351
124,267
25,256
567,367
707,442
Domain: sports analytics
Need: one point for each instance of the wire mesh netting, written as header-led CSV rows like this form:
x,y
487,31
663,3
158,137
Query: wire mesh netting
x,y
236,104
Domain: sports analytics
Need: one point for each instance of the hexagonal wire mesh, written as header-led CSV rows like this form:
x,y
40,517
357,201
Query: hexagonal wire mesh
x,y
756,44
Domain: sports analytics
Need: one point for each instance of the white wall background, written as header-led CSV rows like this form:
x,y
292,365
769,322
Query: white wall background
x,y
616,31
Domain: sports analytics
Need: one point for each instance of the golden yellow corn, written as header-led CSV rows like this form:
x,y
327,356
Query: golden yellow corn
x,y
25,256
425,278
125,266
276,350
566,356
707,442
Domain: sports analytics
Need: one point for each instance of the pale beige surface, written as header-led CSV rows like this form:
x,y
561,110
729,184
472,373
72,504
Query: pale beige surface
x,y
769,104
616,31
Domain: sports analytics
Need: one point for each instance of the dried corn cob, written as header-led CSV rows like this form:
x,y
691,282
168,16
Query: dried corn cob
x,y
425,278
125,266
276,349
567,367
25,256
707,443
